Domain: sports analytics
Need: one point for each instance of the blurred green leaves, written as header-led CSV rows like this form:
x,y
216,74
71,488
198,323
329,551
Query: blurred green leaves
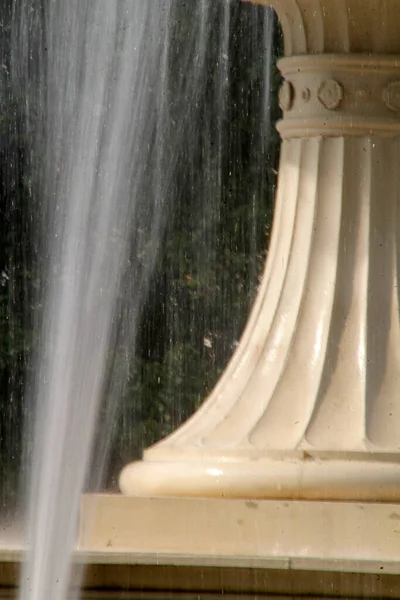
x,y
214,246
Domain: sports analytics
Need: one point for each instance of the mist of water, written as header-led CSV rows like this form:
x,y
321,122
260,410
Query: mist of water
x,y
94,106
106,138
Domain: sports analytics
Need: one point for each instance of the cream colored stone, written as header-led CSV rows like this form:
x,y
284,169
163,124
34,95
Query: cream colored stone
x,y
309,406
200,545
348,95
326,536
338,26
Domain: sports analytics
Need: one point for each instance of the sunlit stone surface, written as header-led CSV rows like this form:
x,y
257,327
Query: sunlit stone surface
x,y
309,406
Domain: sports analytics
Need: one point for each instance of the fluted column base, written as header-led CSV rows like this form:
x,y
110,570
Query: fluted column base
x,y
309,406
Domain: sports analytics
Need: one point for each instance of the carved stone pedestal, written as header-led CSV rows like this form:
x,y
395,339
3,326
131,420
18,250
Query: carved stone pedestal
x,y
309,406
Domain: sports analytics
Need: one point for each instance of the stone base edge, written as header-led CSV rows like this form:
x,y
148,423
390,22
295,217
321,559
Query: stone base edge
x,y
303,535
195,546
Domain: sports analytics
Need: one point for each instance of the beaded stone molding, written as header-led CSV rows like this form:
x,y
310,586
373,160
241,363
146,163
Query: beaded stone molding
x,y
340,94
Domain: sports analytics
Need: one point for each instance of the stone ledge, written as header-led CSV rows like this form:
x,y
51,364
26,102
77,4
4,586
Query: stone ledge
x,y
203,547
322,536
206,546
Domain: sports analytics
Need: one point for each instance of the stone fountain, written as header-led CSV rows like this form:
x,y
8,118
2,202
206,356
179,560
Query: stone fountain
x,y
287,480
309,406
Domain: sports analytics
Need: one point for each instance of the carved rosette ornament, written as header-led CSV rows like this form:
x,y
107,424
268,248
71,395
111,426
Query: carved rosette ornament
x,y
309,406
330,94
286,94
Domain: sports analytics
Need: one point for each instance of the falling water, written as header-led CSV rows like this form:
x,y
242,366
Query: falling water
x,y
99,92
109,128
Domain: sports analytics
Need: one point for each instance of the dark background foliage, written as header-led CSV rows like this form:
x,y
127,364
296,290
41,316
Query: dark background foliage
x,y
213,251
